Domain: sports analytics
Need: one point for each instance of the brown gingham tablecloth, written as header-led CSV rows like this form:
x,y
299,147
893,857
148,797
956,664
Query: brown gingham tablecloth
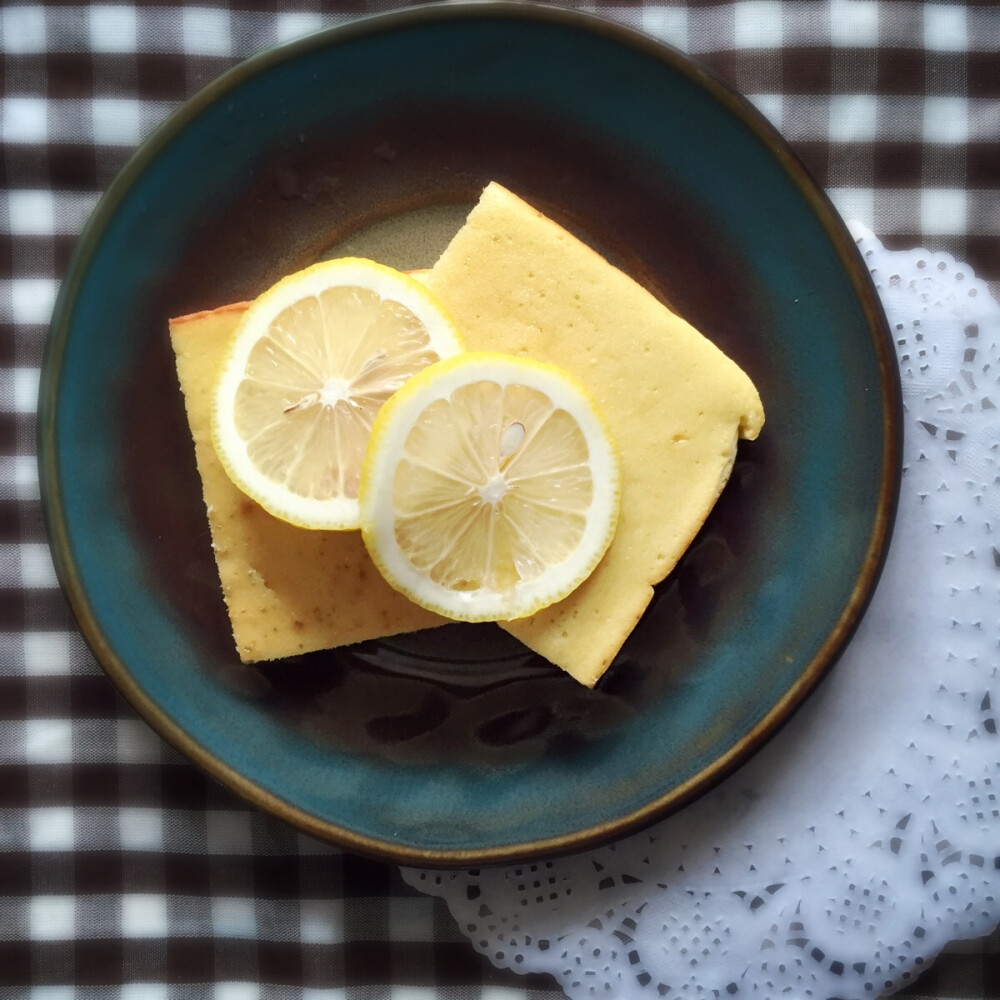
x,y
124,872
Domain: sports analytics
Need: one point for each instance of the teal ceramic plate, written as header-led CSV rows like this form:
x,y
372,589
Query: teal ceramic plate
x,y
455,746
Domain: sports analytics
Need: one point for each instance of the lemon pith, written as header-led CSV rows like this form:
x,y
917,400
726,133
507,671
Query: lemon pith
x,y
310,365
490,487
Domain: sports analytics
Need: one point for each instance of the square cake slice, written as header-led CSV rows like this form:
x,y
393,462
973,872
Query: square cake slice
x,y
516,282
288,590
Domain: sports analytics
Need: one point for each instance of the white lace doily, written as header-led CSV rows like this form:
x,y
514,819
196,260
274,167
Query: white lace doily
x,y
866,835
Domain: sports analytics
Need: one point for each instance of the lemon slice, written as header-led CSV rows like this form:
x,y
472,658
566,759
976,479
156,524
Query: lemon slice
x,y
309,367
490,487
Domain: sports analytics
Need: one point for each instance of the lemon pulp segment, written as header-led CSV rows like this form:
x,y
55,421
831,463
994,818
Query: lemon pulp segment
x,y
507,507
320,375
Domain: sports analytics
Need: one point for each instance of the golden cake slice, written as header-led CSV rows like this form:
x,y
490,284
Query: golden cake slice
x,y
288,590
516,282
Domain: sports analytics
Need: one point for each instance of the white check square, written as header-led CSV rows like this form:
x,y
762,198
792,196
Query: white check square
x,y
24,120
112,29
236,991
23,472
52,829
771,106
945,27
295,24
116,121
854,23
140,829
37,571
23,29
946,120
668,23
853,118
32,301
46,654
206,31
52,918
48,741
144,915
233,917
144,991
31,213
758,25
943,211
53,993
